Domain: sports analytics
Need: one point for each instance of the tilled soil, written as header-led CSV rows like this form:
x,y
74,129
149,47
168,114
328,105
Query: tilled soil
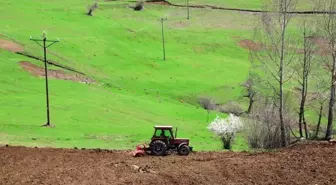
x,y
302,164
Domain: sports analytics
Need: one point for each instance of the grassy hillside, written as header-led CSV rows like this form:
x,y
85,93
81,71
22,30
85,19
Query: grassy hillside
x,y
121,50
135,89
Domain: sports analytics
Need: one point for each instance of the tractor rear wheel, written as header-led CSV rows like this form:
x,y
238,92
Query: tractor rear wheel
x,y
158,148
183,150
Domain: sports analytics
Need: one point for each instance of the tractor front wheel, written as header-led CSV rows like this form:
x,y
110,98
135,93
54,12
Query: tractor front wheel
x,y
158,148
183,150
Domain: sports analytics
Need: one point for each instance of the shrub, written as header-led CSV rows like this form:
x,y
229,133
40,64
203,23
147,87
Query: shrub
x,y
207,103
263,127
226,129
263,134
139,6
232,108
92,8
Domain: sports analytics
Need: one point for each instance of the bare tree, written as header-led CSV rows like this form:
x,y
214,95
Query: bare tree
x,y
304,69
251,88
327,26
276,58
321,99
318,99
251,93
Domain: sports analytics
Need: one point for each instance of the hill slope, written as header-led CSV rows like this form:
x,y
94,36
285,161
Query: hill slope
x,y
121,51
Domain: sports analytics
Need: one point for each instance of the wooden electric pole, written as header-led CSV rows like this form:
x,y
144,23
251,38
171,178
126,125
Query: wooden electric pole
x,y
163,41
44,40
188,13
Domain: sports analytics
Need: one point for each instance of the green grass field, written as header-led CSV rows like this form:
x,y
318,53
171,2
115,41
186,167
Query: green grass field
x,y
121,49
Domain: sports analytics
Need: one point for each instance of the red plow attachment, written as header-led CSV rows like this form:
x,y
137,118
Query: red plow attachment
x,y
140,150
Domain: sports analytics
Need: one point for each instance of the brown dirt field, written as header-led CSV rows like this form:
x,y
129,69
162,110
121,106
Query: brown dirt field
x,y
10,46
303,164
57,74
250,45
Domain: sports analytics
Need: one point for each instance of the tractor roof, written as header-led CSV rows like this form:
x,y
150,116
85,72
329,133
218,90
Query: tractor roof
x,y
163,127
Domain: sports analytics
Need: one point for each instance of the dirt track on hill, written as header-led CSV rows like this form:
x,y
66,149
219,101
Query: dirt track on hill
x,y
302,164
167,3
57,74
10,46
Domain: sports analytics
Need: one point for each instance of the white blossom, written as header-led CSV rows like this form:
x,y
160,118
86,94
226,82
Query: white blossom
x,y
226,128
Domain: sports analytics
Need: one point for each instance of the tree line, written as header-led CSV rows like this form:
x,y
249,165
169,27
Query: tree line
x,y
299,53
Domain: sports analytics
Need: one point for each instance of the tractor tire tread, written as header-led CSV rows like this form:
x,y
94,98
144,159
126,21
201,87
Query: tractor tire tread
x,y
181,152
164,147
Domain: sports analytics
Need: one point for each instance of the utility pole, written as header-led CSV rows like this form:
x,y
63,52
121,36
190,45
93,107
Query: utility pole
x,y
163,41
45,46
188,15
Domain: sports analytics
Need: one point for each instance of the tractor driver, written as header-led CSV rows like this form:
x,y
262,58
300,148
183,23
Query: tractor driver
x,y
163,134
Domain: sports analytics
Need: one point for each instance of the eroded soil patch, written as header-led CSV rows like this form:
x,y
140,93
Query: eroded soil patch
x,y
57,74
179,24
10,46
322,45
321,49
250,45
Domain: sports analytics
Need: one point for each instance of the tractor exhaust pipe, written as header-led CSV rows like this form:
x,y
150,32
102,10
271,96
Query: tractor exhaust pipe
x,y
176,132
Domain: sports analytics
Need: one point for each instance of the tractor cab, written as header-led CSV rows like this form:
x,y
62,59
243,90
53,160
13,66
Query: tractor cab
x,y
163,132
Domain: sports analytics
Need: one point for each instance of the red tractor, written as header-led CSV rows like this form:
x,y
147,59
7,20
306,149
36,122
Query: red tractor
x,y
163,142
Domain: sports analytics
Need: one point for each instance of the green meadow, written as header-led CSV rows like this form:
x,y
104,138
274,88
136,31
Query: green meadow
x,y
134,87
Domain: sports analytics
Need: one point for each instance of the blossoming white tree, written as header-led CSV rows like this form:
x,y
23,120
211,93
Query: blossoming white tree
x,y
226,129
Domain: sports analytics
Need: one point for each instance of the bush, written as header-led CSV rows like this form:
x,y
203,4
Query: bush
x,y
263,134
226,129
207,103
139,6
232,108
92,8
263,127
